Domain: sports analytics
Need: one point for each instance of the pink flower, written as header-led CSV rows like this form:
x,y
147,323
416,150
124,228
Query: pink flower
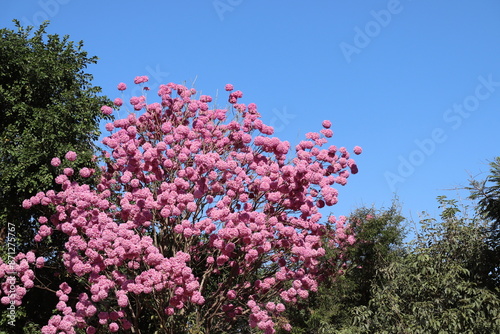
x,y
252,108
68,171
27,204
110,126
231,294
126,324
68,321
40,261
134,100
229,87
326,124
327,133
122,86
106,110
264,186
303,293
113,327
28,284
71,156
118,102
205,98
280,307
91,310
60,179
55,162
197,298
357,150
65,288
85,172
61,305
141,79
30,256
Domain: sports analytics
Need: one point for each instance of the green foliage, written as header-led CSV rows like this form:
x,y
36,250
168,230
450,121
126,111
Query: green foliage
x,y
489,196
379,242
49,107
23,326
487,193
437,286
438,283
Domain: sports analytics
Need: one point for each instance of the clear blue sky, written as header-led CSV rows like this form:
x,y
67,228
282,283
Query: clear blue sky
x,y
415,83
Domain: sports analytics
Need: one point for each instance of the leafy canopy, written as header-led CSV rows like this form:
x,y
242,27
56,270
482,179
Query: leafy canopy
x,y
49,107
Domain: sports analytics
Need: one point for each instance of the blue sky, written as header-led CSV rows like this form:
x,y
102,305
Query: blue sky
x,y
415,83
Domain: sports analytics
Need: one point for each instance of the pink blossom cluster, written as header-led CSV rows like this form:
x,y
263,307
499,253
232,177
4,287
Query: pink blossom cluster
x,y
18,276
139,80
343,236
187,197
261,317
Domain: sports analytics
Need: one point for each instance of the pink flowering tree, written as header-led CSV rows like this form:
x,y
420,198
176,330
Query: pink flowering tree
x,y
198,223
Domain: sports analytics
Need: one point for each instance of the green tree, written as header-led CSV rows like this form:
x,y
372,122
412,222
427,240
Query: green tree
x,y
436,287
487,193
379,239
48,107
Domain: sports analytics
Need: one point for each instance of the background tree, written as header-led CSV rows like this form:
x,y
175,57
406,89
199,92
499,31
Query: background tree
x,y
48,107
379,241
487,193
436,287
